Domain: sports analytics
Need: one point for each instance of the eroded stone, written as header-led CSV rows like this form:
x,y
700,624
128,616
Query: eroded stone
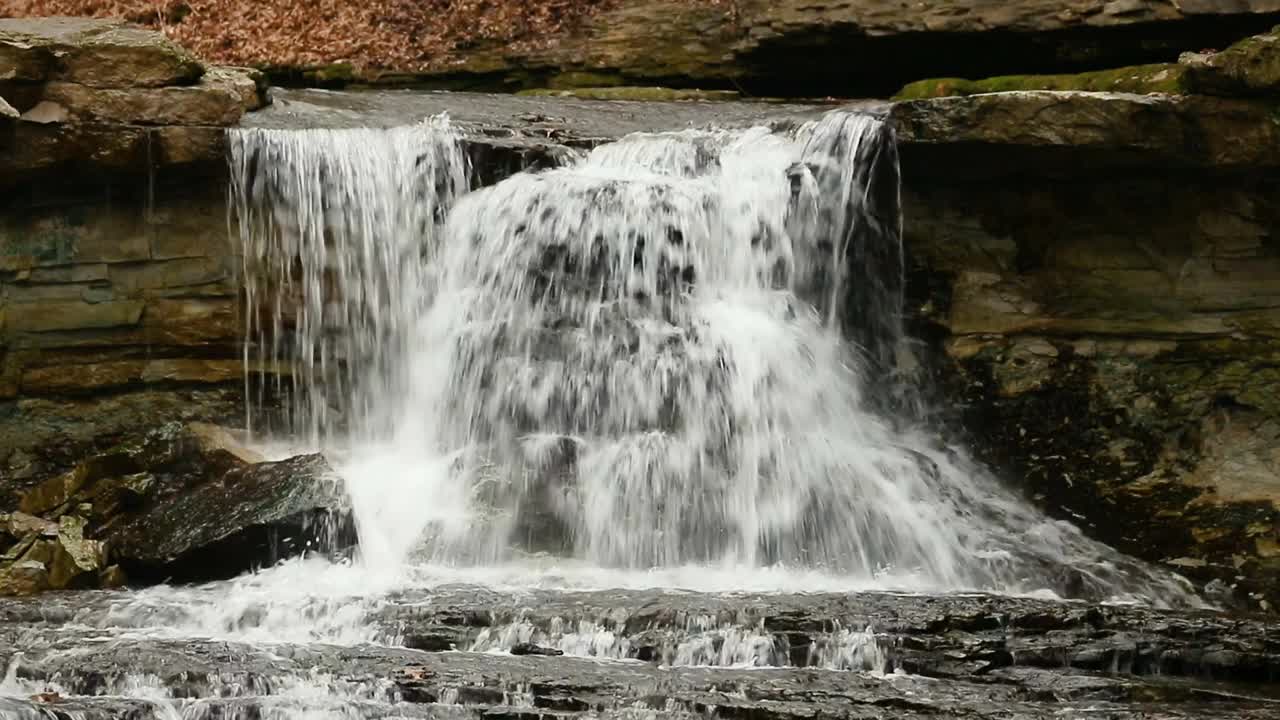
x,y
97,53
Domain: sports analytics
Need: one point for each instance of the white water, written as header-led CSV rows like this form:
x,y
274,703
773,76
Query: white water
x,y
676,363
674,353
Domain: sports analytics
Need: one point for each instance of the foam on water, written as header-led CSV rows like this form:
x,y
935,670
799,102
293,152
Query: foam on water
x,y
684,350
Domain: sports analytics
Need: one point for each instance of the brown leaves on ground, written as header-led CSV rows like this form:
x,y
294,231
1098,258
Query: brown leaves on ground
x,y
400,34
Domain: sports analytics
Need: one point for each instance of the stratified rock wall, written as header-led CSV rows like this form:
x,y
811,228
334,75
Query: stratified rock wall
x,y
1104,273
117,281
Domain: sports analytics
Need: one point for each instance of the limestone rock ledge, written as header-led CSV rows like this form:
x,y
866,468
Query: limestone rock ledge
x,y
86,89
117,278
843,48
1102,276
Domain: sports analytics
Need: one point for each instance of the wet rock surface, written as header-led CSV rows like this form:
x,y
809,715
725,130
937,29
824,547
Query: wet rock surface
x,y
664,652
185,502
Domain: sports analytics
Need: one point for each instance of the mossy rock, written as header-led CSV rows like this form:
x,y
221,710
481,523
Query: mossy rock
x,y
583,79
643,94
1169,78
1249,67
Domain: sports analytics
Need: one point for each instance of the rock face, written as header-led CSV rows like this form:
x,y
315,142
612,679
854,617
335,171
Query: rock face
x,y
185,503
840,48
1102,273
109,80
117,280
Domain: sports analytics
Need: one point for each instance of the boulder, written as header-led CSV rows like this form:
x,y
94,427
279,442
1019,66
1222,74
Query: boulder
x,y
92,52
187,502
25,577
248,517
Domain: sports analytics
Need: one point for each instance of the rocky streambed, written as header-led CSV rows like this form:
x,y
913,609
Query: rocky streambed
x,y
459,650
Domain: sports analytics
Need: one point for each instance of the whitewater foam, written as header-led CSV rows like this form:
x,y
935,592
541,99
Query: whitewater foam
x,y
678,360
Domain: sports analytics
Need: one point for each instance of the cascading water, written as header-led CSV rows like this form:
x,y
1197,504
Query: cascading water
x,y
653,410
336,231
673,352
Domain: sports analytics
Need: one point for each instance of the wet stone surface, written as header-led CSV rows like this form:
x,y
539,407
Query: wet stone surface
x,y
467,651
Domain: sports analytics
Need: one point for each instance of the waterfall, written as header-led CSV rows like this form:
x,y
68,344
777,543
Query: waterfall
x,y
681,350
337,231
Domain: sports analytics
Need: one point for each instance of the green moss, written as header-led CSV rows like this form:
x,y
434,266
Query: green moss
x,y
335,74
646,94
1167,78
573,80
1249,67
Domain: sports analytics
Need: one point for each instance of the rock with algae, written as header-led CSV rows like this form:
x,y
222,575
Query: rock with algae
x,y
1141,79
1249,67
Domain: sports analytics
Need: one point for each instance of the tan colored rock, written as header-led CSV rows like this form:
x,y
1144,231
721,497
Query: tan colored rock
x,y
47,112
69,274
176,273
112,577
25,577
786,43
249,84
85,556
57,379
40,147
1026,365
218,99
1240,462
1227,133
214,439
94,148
98,53
61,237
56,491
191,321
190,145
16,551
192,370
7,111
21,524
44,317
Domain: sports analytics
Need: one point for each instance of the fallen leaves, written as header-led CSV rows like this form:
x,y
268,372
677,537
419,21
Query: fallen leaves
x,y
378,34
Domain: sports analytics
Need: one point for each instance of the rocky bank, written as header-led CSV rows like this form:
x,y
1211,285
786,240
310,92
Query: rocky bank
x,y
1094,275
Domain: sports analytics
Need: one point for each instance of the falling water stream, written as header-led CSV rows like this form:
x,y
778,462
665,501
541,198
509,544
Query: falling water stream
x,y
677,361
681,351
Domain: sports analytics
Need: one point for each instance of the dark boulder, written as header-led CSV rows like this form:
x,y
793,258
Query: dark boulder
x,y
187,503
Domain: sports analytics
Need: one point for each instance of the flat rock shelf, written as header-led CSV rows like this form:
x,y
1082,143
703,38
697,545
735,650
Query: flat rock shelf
x,y
642,653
